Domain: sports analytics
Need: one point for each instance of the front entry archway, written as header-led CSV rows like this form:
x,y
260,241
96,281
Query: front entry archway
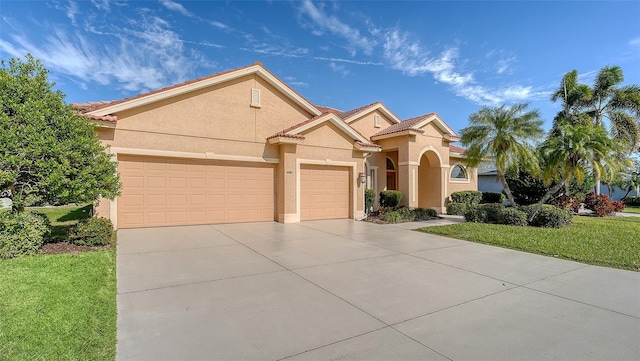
x,y
430,181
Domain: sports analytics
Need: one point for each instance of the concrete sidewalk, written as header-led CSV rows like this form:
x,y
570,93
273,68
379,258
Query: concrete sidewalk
x,y
343,289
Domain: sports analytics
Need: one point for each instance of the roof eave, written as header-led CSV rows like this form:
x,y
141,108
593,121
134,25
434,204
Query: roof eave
x,y
364,148
285,140
397,134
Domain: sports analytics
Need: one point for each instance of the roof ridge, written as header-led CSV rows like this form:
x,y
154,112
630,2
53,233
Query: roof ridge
x,y
351,112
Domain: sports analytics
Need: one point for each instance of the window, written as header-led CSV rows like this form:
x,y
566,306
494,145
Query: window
x,y
376,121
458,172
391,175
371,180
255,98
390,165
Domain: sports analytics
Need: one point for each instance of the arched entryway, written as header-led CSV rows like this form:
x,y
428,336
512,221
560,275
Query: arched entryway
x,y
430,180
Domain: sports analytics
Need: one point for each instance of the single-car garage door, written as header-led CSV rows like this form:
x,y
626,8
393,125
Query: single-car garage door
x,y
166,191
324,192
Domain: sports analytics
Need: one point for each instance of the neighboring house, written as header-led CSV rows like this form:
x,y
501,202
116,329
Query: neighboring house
x,y
242,146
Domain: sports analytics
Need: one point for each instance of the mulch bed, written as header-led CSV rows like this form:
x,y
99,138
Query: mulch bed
x,y
66,247
377,219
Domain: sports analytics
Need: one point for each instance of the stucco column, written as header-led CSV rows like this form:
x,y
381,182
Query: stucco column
x,y
444,190
408,183
286,201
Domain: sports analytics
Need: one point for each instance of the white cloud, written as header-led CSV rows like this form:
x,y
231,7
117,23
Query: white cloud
x,y
322,22
145,55
635,42
218,24
503,60
102,4
174,6
340,69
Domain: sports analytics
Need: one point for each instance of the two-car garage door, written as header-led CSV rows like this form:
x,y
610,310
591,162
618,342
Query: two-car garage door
x,y
170,191
164,192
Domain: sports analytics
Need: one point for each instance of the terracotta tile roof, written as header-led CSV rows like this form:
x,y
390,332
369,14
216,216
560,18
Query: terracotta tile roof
x,y
363,144
325,109
284,135
285,132
103,118
351,112
300,124
91,106
456,149
407,124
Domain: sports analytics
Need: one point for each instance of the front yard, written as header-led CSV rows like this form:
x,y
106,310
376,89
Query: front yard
x,y
632,209
58,307
611,241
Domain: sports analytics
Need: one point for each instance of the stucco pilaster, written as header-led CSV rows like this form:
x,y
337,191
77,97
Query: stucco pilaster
x,y
286,185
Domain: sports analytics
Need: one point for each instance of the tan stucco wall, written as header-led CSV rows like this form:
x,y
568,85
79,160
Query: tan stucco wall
x,y
217,119
365,124
470,184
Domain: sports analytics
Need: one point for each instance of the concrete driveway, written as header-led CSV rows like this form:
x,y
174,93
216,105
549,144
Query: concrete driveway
x,y
341,289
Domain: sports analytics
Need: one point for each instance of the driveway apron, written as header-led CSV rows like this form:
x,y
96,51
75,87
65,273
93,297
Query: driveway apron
x,y
349,290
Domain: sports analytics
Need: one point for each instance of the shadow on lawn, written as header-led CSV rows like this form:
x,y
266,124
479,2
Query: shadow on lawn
x,y
76,214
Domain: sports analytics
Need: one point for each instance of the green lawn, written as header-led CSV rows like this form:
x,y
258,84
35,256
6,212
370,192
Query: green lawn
x,y
612,241
632,209
63,218
58,307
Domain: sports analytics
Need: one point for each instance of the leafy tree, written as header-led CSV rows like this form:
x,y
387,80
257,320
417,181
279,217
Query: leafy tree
x,y
46,151
503,134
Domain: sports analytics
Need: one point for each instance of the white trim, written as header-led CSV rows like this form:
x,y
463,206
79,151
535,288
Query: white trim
x,y
285,140
366,111
397,134
413,197
255,98
432,149
214,80
439,123
337,122
465,180
190,155
354,175
103,124
409,163
113,212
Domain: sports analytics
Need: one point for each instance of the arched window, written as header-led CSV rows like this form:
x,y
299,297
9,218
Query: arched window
x,y
391,175
457,172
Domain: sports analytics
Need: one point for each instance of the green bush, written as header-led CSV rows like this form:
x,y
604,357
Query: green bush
x,y
369,199
492,211
456,209
392,217
22,234
406,214
548,216
390,199
632,201
466,197
424,213
476,214
512,217
93,232
492,197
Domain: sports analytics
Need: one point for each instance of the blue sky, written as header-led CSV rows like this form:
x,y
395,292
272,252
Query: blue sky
x,y
416,57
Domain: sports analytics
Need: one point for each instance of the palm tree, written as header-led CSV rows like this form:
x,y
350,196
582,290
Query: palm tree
x,y
503,134
605,100
574,150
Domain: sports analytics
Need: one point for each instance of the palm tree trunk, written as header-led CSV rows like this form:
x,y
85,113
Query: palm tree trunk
x,y
505,187
547,195
597,186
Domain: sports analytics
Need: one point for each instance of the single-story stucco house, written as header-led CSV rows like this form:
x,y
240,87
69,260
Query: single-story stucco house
x,y
242,146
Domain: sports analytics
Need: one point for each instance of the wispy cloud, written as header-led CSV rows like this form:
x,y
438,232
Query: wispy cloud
x,y
635,42
503,61
291,80
174,6
149,55
322,22
340,69
102,4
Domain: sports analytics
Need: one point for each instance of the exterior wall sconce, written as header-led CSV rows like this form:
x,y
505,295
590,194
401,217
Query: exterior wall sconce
x,y
362,177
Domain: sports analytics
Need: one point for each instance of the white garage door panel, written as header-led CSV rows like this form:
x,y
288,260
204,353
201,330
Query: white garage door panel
x,y
324,192
164,192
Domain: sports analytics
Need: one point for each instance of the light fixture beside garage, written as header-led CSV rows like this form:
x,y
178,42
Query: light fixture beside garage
x,y
362,177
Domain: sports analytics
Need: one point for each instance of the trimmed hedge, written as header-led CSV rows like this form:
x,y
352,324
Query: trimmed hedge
x,y
369,199
390,199
407,214
484,213
424,213
512,217
548,217
456,209
475,214
94,231
632,201
492,197
392,217
22,233
466,197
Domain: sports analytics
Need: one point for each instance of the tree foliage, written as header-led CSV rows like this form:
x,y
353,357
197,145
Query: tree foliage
x,y
503,134
46,151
